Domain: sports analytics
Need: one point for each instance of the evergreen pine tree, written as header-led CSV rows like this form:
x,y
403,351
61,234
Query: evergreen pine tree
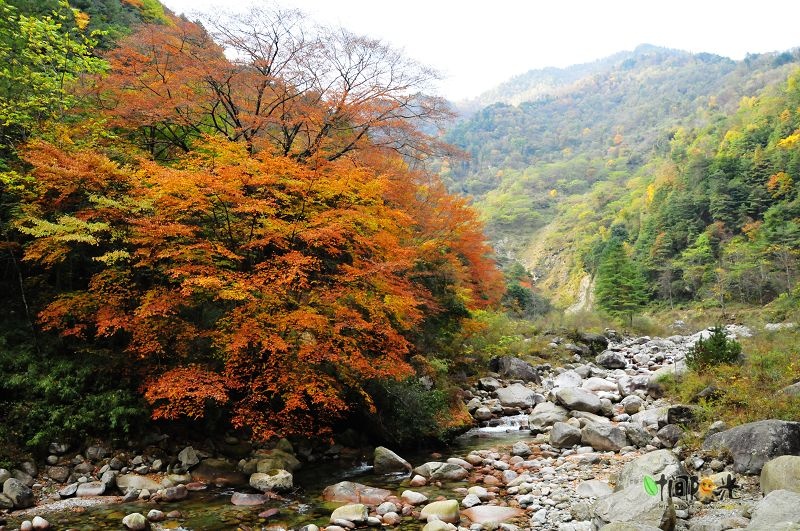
x,y
620,286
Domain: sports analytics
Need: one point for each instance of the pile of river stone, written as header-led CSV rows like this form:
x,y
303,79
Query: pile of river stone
x,y
598,428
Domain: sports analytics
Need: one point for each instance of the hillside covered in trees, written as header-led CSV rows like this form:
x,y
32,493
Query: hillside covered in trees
x,y
687,160
247,244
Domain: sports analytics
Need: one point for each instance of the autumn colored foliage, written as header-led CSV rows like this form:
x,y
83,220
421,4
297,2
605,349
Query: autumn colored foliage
x,y
260,243
271,287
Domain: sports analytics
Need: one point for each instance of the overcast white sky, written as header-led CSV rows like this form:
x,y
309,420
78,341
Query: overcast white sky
x,y
479,44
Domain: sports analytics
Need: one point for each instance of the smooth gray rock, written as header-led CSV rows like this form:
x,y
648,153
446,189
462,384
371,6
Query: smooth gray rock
x,y
521,449
564,435
753,444
354,512
435,470
632,404
91,488
651,417
135,522
652,464
594,488
578,399
634,505
188,457
489,384
68,491
514,368
627,385
568,378
777,507
59,474
246,499
781,473
132,481
604,437
546,414
386,461
176,493
350,492
611,359
20,494
516,395
669,435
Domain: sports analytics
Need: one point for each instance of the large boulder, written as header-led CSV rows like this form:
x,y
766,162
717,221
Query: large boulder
x,y
604,437
91,488
516,395
564,435
274,480
349,492
127,482
593,488
634,505
59,474
546,414
611,359
20,494
486,514
135,522
596,384
781,473
279,459
578,399
627,385
596,342
386,461
753,444
777,508
514,369
434,470
568,378
675,370
219,472
651,417
652,464
353,512
445,510
246,499
188,457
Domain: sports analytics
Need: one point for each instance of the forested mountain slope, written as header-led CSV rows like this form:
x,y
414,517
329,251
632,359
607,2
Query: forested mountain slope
x,y
554,175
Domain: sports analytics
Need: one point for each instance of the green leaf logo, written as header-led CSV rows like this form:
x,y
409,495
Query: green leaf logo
x,y
650,486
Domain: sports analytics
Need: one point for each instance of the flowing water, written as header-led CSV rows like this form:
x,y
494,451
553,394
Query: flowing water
x,y
211,510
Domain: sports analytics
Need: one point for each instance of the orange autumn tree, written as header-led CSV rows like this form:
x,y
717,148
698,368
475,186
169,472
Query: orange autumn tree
x,y
288,255
289,88
271,287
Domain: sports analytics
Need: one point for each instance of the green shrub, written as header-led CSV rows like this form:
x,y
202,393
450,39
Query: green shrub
x,y
407,413
54,396
715,350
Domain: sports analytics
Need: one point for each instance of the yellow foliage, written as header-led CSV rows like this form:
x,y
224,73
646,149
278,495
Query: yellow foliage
x,y
790,141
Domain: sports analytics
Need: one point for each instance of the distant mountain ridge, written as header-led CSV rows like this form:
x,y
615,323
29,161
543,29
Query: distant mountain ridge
x,y
551,81
556,151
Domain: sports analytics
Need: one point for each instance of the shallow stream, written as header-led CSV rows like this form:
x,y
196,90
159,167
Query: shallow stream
x,y
212,510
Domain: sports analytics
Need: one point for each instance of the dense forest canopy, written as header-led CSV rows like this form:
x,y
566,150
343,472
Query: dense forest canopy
x,y
690,155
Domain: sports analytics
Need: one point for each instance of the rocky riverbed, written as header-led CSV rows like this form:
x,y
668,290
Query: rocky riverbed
x,y
591,445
